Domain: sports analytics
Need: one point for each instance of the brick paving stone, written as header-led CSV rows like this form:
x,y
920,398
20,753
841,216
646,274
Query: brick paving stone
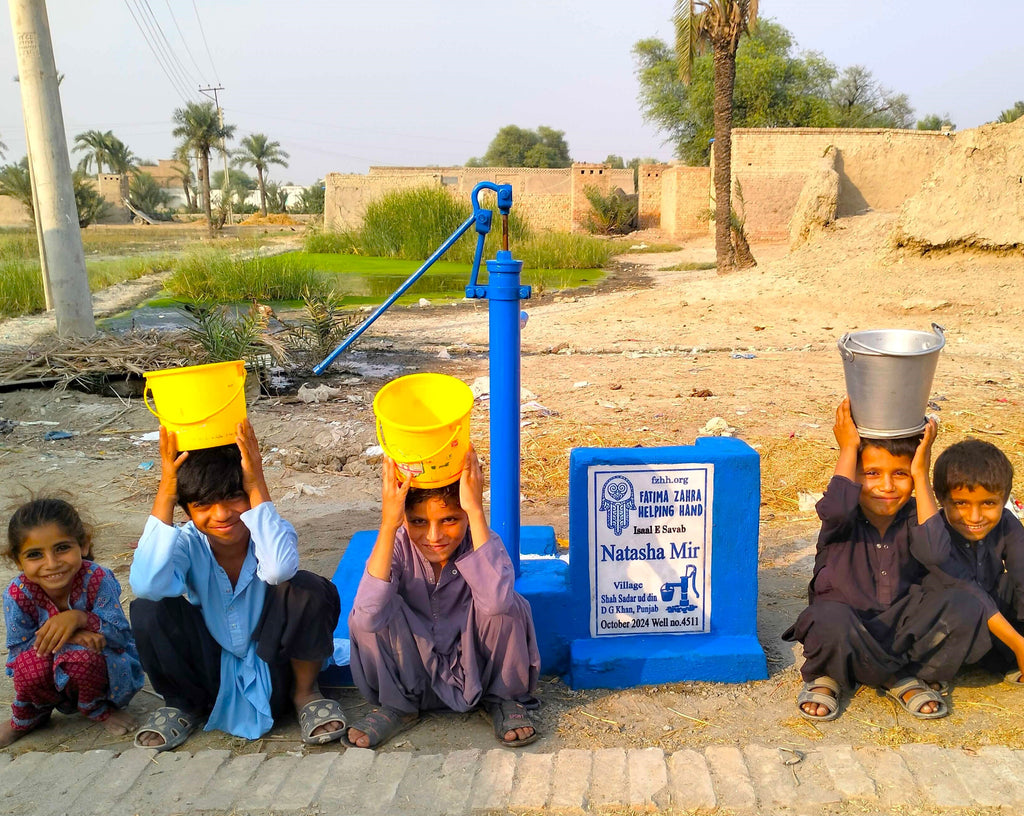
x,y
730,776
531,787
119,777
980,779
572,779
231,779
14,774
894,783
418,789
270,776
301,789
158,788
608,786
848,775
65,778
493,781
344,789
648,778
689,781
383,780
930,765
198,773
457,775
806,782
1007,767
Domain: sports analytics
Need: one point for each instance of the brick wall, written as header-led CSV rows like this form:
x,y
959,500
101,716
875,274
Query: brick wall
x,y
604,179
649,195
113,188
346,195
685,201
13,213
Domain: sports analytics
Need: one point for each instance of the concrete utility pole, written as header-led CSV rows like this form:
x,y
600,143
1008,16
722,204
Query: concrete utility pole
x,y
48,149
225,202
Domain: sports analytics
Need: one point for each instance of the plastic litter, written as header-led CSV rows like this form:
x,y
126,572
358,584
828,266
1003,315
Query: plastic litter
x,y
145,466
53,436
743,355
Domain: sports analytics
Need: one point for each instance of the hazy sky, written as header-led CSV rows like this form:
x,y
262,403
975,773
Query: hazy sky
x,y
344,84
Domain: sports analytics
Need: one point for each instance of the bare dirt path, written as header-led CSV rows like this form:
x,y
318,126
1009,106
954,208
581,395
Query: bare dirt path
x,y
646,360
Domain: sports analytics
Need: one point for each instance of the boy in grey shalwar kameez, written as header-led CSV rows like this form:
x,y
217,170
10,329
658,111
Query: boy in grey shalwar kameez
x,y
437,623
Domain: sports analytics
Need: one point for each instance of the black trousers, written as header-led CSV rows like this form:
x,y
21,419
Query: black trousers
x,y
182,658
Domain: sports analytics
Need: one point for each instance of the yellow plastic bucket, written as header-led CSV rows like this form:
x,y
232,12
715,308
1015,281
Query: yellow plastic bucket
x,y
201,404
423,424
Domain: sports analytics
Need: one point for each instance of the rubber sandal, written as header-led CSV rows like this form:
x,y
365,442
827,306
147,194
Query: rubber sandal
x,y
1014,679
380,725
508,715
830,701
171,723
317,713
924,694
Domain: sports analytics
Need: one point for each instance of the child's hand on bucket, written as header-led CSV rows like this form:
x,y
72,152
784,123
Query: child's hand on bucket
x,y
170,461
393,493
253,481
471,483
845,429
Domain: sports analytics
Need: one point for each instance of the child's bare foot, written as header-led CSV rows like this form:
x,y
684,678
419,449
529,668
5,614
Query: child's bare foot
x,y
119,723
9,734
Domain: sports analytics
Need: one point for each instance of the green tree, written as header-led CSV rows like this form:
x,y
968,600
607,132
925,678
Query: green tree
x,y
16,182
198,126
859,101
1012,114
716,25
935,122
183,158
614,162
3,149
91,205
311,199
514,146
146,195
256,150
119,157
96,145
277,197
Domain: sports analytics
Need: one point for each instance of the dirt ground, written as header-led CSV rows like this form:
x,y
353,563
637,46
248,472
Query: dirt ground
x,y
646,358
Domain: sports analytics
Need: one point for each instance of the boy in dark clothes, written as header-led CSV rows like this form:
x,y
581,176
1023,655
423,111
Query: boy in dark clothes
x,y
976,544
863,572
436,622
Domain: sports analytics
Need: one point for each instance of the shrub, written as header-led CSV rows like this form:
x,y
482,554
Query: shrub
x,y
215,276
563,250
21,287
337,243
612,214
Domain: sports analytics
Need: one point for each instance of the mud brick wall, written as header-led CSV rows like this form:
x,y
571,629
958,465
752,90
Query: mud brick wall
x,y
685,201
878,170
346,195
113,188
543,196
13,213
649,195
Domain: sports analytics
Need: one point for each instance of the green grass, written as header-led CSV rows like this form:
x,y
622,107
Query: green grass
x,y
214,275
21,288
621,248
688,266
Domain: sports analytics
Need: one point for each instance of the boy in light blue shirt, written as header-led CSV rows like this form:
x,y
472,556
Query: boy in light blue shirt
x,y
228,628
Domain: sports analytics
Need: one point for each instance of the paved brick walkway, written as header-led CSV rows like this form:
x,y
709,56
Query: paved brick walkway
x,y
747,780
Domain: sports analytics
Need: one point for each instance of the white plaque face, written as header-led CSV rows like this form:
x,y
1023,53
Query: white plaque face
x,y
650,548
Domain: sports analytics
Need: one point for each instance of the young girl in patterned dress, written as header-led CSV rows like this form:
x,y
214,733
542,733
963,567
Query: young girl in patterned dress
x,y
69,644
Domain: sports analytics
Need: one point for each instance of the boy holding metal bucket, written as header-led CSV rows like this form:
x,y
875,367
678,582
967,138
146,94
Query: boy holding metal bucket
x,y
864,624
436,622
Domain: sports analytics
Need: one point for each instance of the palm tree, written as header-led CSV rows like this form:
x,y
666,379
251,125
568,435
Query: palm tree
x,y
717,24
3,149
199,126
96,146
16,183
184,159
120,158
257,151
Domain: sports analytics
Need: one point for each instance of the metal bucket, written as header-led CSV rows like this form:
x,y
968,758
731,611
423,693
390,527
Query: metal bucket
x,y
889,376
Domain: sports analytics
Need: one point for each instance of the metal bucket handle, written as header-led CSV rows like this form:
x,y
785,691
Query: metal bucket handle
x,y
848,355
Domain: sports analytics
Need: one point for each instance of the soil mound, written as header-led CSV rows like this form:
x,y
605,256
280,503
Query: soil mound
x,y
974,196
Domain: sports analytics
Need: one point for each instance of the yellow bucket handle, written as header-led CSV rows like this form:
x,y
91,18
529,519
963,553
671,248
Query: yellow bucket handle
x,y
383,444
145,398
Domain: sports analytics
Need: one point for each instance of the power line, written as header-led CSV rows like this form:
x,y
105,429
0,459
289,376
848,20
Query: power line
x,y
182,70
215,76
156,54
183,40
153,40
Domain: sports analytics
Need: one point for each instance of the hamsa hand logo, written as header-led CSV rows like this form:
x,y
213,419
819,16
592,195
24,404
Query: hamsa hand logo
x,y
617,501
